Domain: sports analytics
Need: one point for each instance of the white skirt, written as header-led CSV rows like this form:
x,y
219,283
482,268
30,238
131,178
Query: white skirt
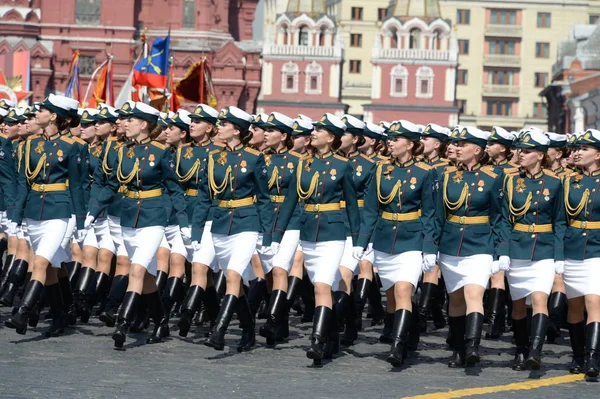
x,y
142,244
284,259
322,261
234,252
348,260
405,267
103,237
114,226
266,259
206,254
47,237
582,277
460,271
175,240
527,276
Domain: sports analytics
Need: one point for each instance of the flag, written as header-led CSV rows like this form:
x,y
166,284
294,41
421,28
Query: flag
x,y
128,91
15,76
73,89
152,71
101,81
197,85
174,104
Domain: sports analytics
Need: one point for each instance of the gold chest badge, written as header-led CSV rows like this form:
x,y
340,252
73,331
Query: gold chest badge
x,y
520,186
189,153
458,176
130,153
151,159
222,158
40,147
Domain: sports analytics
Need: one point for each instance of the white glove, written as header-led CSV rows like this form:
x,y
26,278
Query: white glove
x,y
196,246
186,233
80,235
357,253
20,233
559,266
504,263
429,262
495,267
275,247
369,249
89,221
12,228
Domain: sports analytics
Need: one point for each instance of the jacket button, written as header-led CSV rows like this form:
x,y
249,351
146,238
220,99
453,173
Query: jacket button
x,y
229,212
461,229
534,213
41,196
584,234
316,216
394,228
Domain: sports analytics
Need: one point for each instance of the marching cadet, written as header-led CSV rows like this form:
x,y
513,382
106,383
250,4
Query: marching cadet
x,y
435,140
282,164
452,147
475,233
582,251
322,181
44,200
535,207
145,168
238,187
498,149
399,218
190,165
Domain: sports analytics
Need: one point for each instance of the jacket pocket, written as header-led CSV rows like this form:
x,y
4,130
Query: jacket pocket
x,y
246,212
480,230
335,218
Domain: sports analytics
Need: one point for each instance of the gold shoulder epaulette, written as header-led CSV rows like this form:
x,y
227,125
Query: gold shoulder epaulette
x,y
450,169
33,137
489,170
112,138
508,171
341,158
252,151
4,136
67,139
214,152
186,144
423,166
158,145
219,144
367,158
297,154
548,172
79,140
15,140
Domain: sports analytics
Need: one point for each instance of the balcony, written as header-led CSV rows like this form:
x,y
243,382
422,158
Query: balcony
x,y
301,51
356,89
502,60
414,54
503,30
491,90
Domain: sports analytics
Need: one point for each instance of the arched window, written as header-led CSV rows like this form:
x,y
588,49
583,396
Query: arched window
x,y
285,33
289,78
322,33
424,82
394,38
303,36
415,39
436,40
399,81
314,78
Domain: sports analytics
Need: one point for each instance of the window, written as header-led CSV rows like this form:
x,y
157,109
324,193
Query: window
x,y
314,78
461,105
424,82
285,34
463,17
503,108
399,81
394,38
322,33
543,19
381,14
289,77
355,66
541,79
87,65
463,77
501,78
503,17
594,19
415,39
436,40
356,40
189,14
542,50
463,47
506,47
303,36
540,110
87,12
357,13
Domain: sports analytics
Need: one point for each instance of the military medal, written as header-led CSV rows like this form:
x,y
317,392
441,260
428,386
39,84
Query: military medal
x,y
546,193
151,158
308,164
97,151
222,158
458,176
359,170
189,153
413,181
290,166
243,165
40,147
520,185
59,153
481,184
333,174
268,161
130,153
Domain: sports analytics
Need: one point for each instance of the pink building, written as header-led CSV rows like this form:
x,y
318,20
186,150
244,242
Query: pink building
x,y
217,29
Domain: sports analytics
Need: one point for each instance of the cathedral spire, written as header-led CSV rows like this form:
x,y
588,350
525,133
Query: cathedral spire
x,y
310,7
417,8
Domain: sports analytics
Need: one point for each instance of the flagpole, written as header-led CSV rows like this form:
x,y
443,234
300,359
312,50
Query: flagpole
x,y
202,99
87,92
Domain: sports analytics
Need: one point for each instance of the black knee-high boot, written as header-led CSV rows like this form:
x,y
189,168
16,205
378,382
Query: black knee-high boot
x,y
67,298
256,293
172,293
6,272
473,331
428,292
3,249
402,324
437,305
277,305
378,314
414,334
350,331
308,297
217,338
116,295
131,301
31,296
247,324
15,281
73,270
157,313
103,285
294,288
388,327
591,367
521,335
457,333
495,311
321,323
557,306
220,283
539,325
58,308
211,305
577,337
83,288
161,280
363,287
190,305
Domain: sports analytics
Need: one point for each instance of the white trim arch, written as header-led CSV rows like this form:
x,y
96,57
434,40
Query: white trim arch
x,y
399,81
424,77
313,71
289,70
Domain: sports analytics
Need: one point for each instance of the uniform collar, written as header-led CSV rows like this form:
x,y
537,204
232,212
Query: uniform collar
x,y
52,138
530,176
434,159
326,155
372,155
271,151
561,169
405,165
237,147
475,168
502,163
353,154
205,143
593,174
145,141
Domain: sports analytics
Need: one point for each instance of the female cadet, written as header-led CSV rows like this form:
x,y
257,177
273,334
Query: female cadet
x,y
190,165
144,168
322,181
281,166
474,233
435,140
582,253
237,184
452,147
44,200
399,218
534,204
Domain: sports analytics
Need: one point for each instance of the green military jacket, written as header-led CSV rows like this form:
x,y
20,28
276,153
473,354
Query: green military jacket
x,y
102,171
234,174
532,201
141,167
401,190
8,176
363,170
53,160
473,193
582,239
321,180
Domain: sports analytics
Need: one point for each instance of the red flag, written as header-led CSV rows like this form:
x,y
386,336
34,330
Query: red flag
x,y
197,85
101,82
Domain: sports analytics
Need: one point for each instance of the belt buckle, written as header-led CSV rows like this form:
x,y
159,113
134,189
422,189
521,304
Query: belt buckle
x,y
531,228
136,195
316,207
42,187
461,219
584,225
229,203
395,217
